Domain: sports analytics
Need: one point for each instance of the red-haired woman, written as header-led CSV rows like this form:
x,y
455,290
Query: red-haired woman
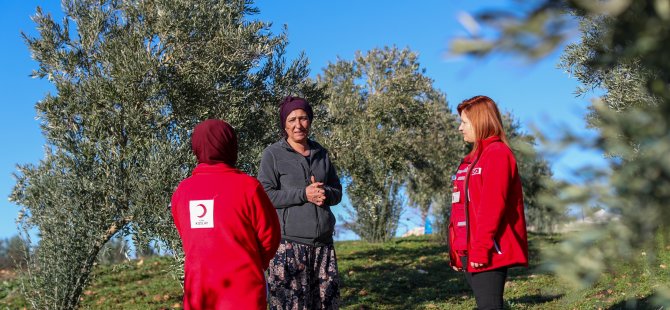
x,y
487,229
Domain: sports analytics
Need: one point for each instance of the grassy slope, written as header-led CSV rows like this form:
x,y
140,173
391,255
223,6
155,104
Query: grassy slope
x,y
414,273
405,273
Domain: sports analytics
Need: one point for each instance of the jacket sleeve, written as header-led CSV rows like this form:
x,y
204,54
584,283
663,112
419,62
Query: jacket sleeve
x,y
175,212
497,173
454,259
333,187
268,175
266,224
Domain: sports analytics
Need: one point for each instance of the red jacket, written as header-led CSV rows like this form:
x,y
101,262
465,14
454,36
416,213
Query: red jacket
x,y
496,225
230,232
457,223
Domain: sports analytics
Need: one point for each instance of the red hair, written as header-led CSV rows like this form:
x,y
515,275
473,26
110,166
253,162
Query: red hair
x,y
485,119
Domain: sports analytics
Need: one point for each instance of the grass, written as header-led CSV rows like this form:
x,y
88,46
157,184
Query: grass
x,y
140,284
414,273
405,273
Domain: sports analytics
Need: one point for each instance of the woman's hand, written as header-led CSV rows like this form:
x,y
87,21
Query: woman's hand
x,y
477,265
315,192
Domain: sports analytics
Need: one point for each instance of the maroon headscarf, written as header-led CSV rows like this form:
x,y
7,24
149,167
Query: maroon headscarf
x,y
288,105
214,141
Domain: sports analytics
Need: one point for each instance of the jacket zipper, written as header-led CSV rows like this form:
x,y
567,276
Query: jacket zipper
x,y
316,211
467,203
307,178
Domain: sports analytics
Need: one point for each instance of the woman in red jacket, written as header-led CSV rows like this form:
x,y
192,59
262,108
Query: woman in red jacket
x,y
228,226
487,229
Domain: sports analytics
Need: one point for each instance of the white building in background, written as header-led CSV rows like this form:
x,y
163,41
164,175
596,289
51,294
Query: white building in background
x,y
598,217
416,231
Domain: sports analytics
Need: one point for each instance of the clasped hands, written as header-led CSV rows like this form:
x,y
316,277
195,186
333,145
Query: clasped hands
x,y
315,192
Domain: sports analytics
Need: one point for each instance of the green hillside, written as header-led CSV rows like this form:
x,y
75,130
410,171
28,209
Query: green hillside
x,y
406,273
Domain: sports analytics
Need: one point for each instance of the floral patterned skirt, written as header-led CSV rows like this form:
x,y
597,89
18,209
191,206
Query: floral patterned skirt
x,y
304,277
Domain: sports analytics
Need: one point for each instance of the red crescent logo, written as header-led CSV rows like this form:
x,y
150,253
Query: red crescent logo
x,y
204,210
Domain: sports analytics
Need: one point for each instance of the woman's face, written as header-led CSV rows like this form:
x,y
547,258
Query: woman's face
x,y
297,126
466,128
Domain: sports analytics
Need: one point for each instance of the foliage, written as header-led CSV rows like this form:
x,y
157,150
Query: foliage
x,y
441,147
132,78
114,251
624,51
429,182
380,106
389,131
13,252
624,83
536,178
532,28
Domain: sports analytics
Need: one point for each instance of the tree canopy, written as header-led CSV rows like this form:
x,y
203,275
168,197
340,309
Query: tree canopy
x,y
131,80
380,105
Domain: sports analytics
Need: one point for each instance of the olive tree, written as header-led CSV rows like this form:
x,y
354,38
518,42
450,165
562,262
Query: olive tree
x,y
131,79
379,106
429,183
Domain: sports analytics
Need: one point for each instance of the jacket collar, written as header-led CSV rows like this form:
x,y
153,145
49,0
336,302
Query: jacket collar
x,y
482,145
215,168
486,142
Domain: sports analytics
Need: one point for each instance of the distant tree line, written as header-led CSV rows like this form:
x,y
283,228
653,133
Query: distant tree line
x,y
13,253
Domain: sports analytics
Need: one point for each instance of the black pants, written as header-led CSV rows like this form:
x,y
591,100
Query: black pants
x,y
488,286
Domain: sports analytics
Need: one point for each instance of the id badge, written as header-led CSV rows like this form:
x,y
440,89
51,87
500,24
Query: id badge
x,y
455,197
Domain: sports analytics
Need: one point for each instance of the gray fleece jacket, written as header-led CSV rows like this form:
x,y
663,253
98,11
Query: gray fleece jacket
x,y
285,174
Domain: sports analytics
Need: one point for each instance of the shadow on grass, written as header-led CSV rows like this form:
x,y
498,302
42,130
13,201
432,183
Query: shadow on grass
x,y
640,303
405,273
536,242
399,275
535,299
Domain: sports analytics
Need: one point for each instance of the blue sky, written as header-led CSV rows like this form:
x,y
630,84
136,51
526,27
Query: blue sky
x,y
538,94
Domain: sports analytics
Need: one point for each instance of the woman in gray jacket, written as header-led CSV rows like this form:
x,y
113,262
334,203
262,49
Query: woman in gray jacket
x,y
302,184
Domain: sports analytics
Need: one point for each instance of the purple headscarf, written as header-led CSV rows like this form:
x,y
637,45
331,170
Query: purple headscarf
x,y
288,105
214,141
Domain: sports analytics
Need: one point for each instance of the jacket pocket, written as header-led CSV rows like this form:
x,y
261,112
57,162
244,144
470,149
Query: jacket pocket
x,y
301,221
281,214
458,223
326,221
